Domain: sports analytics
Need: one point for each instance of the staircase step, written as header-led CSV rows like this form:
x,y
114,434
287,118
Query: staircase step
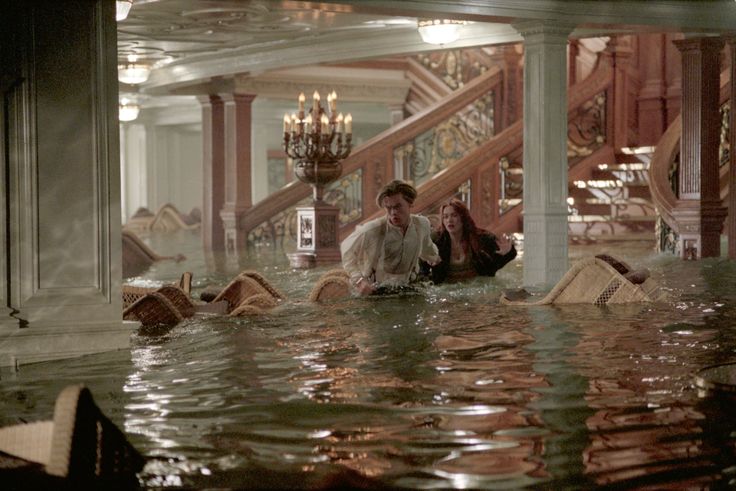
x,y
609,218
628,237
610,182
616,210
601,225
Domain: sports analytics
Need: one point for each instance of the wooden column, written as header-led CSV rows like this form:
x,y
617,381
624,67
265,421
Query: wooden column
x,y
700,213
652,115
513,89
673,77
731,221
237,167
213,178
620,54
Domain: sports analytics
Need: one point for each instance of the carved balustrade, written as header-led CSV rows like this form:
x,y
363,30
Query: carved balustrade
x,y
664,177
373,164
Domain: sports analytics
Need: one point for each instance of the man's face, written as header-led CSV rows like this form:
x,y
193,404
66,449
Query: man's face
x,y
397,210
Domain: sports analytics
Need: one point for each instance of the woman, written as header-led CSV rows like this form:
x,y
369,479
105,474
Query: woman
x,y
466,250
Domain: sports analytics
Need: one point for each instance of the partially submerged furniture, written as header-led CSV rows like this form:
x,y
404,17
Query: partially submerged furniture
x,y
79,447
333,285
138,257
166,219
599,280
248,293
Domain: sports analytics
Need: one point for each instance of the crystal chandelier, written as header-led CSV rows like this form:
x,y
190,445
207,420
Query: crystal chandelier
x,y
133,72
122,7
128,110
439,31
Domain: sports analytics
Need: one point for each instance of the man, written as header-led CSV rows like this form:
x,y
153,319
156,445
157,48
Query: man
x,y
385,252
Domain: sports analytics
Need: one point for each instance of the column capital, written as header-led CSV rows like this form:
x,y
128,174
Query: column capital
x,y
701,43
208,99
543,31
236,97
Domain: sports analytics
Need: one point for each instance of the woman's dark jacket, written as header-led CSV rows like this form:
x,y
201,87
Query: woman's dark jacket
x,y
486,262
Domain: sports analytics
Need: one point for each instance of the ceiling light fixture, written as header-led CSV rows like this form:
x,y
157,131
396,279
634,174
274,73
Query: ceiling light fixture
x,y
122,7
128,110
133,72
439,31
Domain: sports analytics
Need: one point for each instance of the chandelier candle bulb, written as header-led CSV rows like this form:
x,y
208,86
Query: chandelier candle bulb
x,y
348,124
315,104
293,123
301,105
339,123
325,123
333,102
287,123
308,127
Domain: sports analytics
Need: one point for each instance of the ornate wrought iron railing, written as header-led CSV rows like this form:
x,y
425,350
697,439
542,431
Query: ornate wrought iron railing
x,y
452,127
449,149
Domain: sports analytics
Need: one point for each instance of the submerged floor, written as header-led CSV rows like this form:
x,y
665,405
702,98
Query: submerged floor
x,y
445,390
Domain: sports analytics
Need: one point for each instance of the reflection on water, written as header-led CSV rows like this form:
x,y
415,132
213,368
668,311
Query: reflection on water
x,y
444,390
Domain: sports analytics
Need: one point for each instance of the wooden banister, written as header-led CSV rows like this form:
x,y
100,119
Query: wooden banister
x,y
663,197
487,155
375,156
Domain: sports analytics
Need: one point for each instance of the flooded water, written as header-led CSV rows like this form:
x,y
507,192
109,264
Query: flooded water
x,y
438,391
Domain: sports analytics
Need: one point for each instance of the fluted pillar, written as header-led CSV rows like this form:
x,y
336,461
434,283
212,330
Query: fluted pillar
x,y
619,51
545,152
700,213
731,221
237,159
213,168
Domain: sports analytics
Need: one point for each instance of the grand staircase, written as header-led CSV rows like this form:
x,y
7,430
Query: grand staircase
x,y
615,203
466,144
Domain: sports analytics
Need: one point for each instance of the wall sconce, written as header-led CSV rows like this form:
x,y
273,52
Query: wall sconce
x,y
133,72
439,31
128,110
122,7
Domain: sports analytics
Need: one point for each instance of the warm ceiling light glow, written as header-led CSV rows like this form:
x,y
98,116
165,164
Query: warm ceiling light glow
x,y
128,110
439,31
133,72
122,7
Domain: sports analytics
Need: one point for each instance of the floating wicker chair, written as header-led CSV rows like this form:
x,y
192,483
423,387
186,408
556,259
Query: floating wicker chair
x,y
140,221
600,280
80,445
333,285
179,298
244,310
154,309
138,257
132,293
244,286
264,283
168,219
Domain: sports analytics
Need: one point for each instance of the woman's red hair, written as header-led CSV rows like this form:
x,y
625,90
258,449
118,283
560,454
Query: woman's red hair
x,y
470,229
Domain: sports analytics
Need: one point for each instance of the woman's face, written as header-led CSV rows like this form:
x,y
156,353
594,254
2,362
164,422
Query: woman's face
x,y
451,220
